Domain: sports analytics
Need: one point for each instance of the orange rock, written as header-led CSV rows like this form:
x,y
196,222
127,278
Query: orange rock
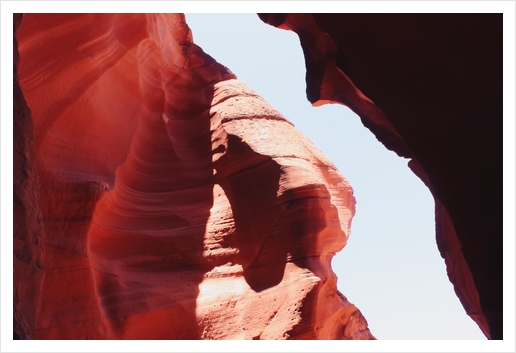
x,y
176,203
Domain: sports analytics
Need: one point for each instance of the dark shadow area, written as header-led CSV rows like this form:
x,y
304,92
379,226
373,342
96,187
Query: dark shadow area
x,y
251,182
271,229
437,79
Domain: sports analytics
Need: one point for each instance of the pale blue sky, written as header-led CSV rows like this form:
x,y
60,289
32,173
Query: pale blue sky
x,y
391,268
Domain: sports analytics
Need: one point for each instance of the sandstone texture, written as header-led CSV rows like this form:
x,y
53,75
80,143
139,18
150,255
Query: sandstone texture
x,y
158,197
430,87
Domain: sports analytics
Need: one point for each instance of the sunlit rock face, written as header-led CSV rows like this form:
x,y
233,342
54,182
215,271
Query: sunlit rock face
x,y
430,87
166,199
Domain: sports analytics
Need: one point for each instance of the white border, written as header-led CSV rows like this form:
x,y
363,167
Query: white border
x,y
258,6
10,7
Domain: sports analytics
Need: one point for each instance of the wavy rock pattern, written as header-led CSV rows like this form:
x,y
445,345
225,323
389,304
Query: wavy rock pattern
x,y
176,203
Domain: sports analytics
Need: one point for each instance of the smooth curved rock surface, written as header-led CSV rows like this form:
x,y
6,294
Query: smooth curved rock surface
x,y
430,87
175,202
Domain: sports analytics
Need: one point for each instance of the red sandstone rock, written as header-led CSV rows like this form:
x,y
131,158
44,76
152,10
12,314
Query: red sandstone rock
x,y
28,234
175,202
430,87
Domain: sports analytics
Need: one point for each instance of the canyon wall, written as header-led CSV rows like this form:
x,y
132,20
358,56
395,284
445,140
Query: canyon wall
x,y
430,87
158,197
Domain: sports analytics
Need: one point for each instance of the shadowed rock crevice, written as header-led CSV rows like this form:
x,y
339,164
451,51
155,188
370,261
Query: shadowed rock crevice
x,y
252,189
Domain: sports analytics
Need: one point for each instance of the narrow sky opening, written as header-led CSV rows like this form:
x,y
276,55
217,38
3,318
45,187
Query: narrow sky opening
x,y
391,268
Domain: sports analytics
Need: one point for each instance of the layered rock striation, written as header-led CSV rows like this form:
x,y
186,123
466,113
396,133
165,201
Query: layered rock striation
x,y
162,198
